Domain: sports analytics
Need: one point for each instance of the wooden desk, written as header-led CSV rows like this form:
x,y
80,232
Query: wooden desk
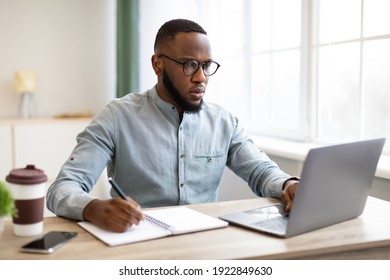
x,y
366,237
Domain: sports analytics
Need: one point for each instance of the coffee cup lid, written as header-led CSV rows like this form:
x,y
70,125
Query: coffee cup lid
x,y
26,176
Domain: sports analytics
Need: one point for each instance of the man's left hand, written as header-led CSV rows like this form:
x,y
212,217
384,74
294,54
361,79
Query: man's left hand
x,y
288,194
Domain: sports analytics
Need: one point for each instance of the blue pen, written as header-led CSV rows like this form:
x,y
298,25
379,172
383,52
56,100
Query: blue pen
x,y
117,188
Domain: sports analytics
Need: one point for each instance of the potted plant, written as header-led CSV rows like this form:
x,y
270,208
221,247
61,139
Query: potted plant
x,y
7,204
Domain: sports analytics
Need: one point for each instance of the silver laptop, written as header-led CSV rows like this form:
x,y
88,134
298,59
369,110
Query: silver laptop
x,y
334,187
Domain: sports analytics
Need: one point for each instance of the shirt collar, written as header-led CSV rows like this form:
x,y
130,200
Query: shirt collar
x,y
167,109
163,105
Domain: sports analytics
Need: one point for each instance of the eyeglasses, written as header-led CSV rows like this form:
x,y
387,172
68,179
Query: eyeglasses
x,y
190,67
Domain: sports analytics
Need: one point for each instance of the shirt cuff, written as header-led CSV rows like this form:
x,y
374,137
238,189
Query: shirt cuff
x,y
294,178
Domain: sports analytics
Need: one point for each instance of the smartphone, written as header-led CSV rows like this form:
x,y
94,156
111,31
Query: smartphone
x,y
49,242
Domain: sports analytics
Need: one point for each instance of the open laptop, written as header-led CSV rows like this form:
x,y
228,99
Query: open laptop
x,y
334,187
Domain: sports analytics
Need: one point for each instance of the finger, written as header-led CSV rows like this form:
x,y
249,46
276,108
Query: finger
x,y
288,196
132,211
291,193
126,220
286,199
287,204
287,207
134,218
118,223
136,212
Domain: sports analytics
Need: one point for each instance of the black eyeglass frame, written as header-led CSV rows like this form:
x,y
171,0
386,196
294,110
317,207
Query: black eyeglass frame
x,y
203,64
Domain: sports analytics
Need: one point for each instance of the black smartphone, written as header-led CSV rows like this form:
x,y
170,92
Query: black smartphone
x,y
49,242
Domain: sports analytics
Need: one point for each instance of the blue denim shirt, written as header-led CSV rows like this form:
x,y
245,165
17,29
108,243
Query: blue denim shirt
x,y
157,159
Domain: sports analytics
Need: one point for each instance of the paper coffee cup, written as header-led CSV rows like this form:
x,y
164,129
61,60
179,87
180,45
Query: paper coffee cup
x,y
28,188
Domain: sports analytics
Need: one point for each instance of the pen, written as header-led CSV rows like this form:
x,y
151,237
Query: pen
x,y
120,191
117,188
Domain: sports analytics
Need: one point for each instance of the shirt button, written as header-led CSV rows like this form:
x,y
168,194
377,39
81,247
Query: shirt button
x,y
180,128
181,156
181,185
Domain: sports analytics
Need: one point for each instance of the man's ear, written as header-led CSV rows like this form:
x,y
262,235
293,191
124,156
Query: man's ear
x,y
157,65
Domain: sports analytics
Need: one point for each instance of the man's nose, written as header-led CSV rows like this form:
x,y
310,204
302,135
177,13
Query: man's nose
x,y
199,75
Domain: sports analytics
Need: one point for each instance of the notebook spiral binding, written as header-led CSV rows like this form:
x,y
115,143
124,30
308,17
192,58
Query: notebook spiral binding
x,y
157,223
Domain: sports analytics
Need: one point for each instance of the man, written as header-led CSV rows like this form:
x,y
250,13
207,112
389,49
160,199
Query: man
x,y
164,146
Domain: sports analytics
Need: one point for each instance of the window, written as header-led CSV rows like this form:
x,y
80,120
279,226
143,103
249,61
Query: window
x,y
259,45
316,70
352,65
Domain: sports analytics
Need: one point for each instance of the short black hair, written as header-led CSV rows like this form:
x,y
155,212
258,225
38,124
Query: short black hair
x,y
168,30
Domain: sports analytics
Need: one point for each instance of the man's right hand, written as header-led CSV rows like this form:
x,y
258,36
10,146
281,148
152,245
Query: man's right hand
x,y
113,214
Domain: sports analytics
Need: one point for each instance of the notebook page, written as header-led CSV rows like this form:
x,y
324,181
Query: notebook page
x,y
136,233
183,219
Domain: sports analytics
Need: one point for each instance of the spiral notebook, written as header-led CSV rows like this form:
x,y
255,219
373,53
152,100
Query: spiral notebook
x,y
157,224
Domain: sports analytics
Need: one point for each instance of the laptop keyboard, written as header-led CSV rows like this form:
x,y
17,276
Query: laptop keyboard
x,y
277,224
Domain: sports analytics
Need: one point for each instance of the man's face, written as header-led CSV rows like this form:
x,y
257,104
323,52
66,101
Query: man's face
x,y
179,99
185,92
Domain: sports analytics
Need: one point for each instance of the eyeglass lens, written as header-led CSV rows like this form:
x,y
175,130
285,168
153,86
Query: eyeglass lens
x,y
191,66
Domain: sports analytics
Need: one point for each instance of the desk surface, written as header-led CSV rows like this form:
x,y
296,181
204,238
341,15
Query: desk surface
x,y
365,237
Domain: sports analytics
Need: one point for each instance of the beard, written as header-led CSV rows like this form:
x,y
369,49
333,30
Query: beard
x,y
175,94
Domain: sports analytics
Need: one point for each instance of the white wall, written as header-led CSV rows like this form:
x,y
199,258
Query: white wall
x,y
71,46
154,13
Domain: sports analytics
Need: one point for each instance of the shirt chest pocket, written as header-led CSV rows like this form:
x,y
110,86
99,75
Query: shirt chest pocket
x,y
210,160
204,171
